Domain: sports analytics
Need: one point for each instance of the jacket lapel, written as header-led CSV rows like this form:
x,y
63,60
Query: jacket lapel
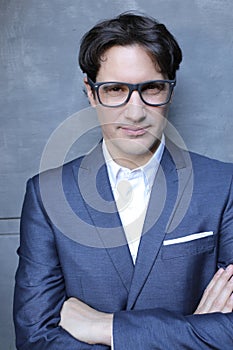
x,y
163,214
94,185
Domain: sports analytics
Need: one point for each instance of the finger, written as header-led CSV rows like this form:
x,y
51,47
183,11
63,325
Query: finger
x,y
228,289
215,278
229,305
220,285
217,292
210,286
223,303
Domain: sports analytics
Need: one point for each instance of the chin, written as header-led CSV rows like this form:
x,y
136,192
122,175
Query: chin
x,y
136,148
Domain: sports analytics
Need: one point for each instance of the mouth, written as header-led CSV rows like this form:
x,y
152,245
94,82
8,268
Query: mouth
x,y
133,130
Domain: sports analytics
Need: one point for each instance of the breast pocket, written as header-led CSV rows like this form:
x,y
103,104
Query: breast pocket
x,y
187,248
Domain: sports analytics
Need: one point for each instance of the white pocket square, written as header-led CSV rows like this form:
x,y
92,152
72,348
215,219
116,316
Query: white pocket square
x,y
188,238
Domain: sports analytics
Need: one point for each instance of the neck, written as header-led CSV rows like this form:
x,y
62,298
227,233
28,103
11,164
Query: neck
x,y
131,161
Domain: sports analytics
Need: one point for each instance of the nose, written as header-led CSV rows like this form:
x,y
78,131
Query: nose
x,y
136,99
135,110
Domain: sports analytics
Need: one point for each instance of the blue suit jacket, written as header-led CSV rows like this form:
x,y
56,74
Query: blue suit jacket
x,y
72,244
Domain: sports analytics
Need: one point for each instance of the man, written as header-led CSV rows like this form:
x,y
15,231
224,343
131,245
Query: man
x,y
158,228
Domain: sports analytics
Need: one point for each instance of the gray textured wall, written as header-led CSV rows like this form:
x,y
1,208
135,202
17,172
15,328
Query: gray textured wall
x,y
40,87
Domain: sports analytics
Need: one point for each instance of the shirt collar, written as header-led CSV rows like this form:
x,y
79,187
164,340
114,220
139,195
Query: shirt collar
x,y
149,170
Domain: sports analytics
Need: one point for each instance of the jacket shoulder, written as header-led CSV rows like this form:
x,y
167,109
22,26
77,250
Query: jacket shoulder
x,y
207,165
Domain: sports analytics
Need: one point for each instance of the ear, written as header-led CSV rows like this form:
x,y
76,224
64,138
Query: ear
x,y
90,94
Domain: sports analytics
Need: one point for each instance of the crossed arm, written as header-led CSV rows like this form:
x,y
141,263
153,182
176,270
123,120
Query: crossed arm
x,y
94,327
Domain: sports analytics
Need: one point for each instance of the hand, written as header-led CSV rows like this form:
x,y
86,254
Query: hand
x,y
218,296
86,324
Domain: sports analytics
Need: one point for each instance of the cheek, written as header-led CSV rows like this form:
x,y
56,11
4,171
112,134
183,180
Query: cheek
x,y
165,110
105,120
107,116
159,117
107,131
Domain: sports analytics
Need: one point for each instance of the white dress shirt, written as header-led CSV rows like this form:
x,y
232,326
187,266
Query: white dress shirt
x,y
131,190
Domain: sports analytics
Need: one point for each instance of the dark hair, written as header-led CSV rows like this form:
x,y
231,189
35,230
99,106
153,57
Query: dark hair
x,y
129,29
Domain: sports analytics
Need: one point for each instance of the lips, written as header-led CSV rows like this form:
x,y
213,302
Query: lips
x,y
133,131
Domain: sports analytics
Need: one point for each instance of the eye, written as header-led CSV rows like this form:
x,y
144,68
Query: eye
x,y
114,89
153,88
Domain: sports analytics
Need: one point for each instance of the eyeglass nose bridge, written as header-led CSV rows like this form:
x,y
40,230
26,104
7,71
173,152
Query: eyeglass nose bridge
x,y
132,88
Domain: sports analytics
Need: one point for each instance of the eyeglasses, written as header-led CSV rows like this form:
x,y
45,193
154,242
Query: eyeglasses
x,y
115,94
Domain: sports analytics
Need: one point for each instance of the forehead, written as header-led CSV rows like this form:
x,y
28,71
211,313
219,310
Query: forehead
x,y
119,62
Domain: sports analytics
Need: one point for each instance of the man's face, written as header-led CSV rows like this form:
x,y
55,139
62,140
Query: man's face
x,y
132,131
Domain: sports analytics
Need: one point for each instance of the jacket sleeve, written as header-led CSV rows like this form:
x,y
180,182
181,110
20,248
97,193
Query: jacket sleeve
x,y
161,330
40,287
